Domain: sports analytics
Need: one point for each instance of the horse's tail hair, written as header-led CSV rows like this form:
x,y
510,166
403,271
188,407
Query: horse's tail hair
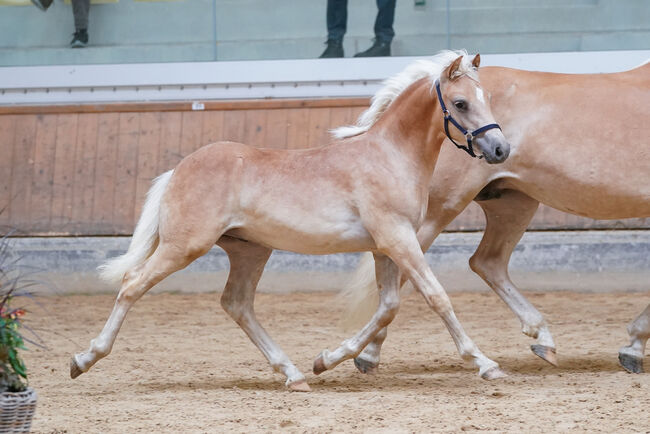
x,y
145,235
360,297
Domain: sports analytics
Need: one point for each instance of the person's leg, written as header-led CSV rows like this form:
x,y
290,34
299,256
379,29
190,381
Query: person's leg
x,y
384,22
384,32
80,9
337,18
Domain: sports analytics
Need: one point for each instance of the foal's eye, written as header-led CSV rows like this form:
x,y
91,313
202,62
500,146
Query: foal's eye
x,y
460,104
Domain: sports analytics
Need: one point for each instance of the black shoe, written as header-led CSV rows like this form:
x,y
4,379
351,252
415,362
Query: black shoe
x,y
378,49
79,39
42,4
334,49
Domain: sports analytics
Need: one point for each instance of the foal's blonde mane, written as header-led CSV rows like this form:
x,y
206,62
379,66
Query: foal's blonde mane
x,y
396,84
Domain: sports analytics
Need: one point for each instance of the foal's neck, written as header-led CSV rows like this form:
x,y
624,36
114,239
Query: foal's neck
x,y
414,124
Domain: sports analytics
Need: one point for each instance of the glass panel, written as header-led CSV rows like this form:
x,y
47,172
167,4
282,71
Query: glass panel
x,y
136,31
520,26
120,31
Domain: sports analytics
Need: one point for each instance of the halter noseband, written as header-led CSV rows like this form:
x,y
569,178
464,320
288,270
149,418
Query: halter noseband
x,y
469,136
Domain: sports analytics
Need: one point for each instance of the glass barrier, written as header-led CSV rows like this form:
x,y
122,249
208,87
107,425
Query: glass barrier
x,y
144,31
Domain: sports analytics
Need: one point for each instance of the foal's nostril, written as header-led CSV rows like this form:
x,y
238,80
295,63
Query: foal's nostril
x,y
498,151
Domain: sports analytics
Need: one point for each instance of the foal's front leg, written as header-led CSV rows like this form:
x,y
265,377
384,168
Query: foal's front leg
x,y
387,275
631,356
411,261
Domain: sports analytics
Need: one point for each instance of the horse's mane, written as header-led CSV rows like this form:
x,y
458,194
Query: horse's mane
x,y
396,84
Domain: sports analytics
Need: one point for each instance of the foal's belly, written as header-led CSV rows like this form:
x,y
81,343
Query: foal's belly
x,y
307,235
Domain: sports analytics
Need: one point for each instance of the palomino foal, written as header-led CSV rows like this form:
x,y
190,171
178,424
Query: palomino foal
x,y
366,193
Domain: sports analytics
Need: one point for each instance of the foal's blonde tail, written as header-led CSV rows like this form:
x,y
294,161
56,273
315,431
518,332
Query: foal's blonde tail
x,y
145,235
360,297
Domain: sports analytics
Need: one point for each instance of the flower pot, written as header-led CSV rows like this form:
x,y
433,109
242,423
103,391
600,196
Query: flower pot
x,y
17,410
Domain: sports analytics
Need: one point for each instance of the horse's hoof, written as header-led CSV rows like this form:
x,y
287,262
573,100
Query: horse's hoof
x,y
493,374
75,370
319,365
365,367
545,353
630,363
299,386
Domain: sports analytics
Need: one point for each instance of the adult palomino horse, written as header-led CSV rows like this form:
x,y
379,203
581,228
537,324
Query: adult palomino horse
x,y
580,144
364,193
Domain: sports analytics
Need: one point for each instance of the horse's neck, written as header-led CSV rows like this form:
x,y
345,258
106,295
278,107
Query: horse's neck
x,y
410,124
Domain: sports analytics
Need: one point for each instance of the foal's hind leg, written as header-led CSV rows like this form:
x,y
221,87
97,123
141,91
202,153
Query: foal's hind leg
x,y
631,356
164,261
247,262
507,220
388,284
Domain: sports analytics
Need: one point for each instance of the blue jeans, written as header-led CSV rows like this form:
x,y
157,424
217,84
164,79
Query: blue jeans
x,y
337,19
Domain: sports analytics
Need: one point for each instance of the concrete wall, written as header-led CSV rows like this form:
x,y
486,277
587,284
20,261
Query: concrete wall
x,y
583,261
126,31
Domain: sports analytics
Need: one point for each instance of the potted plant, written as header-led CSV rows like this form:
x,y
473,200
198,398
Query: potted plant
x,y
17,399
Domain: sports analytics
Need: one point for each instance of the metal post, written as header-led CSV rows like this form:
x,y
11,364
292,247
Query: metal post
x,y
214,30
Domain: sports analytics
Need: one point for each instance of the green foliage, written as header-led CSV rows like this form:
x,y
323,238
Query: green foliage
x,y
13,373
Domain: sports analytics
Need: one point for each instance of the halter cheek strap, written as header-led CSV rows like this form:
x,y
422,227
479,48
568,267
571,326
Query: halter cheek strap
x,y
469,136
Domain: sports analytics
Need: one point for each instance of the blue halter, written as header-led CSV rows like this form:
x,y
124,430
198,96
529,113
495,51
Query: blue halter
x,y
468,135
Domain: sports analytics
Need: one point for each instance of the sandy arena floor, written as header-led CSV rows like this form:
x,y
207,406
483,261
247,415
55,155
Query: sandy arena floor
x,y
181,365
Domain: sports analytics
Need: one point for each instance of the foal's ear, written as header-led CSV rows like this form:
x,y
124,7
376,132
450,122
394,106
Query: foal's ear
x,y
452,70
476,61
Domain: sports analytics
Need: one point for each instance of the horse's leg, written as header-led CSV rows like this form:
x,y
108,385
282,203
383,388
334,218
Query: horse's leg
x,y
387,275
406,253
631,356
247,262
368,361
507,219
413,264
164,261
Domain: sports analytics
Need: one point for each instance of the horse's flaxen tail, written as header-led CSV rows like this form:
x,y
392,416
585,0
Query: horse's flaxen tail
x,y
360,297
145,235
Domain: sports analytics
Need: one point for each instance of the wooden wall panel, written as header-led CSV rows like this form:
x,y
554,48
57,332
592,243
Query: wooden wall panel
x,y
148,149
277,122
21,174
61,203
212,129
7,129
126,170
297,129
108,131
255,128
43,173
85,170
169,153
83,186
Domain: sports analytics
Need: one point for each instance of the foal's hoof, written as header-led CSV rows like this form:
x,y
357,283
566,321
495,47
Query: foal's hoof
x,y
545,353
299,386
630,363
493,374
75,370
365,367
319,365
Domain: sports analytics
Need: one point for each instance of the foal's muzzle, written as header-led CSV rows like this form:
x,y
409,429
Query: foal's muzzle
x,y
493,147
